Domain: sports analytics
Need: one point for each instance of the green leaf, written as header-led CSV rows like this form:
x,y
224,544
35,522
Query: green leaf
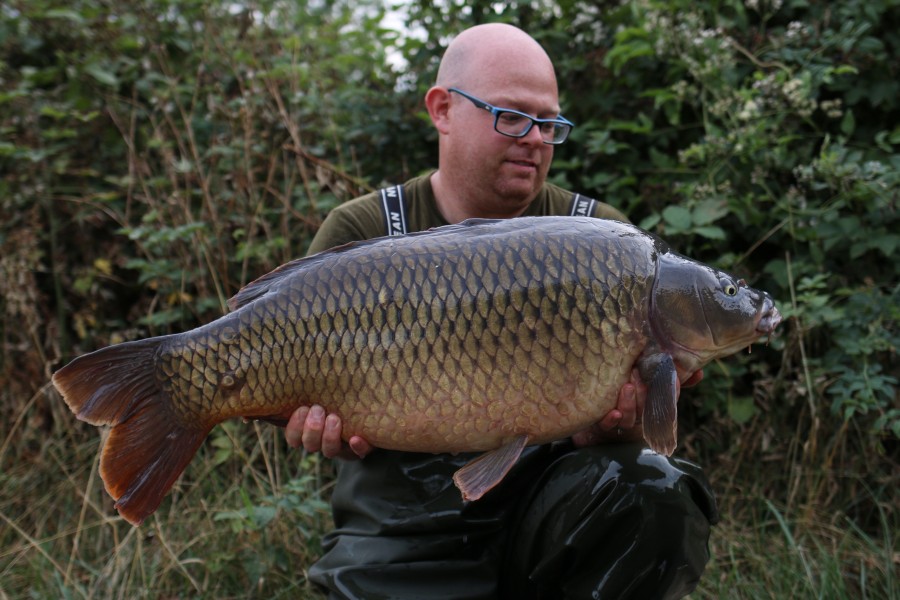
x,y
631,43
848,123
677,217
711,232
887,243
650,222
65,13
742,409
102,75
709,211
894,138
641,125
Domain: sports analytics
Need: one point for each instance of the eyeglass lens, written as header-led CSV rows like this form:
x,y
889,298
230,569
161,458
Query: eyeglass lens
x,y
516,125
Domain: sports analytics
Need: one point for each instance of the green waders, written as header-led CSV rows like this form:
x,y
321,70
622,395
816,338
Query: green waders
x,y
608,522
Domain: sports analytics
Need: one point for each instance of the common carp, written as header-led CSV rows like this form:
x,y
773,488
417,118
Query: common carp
x,y
482,336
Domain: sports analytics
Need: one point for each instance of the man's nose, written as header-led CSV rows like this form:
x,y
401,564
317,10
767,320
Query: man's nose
x,y
533,137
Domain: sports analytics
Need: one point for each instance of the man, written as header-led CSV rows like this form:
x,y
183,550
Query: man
x,y
575,519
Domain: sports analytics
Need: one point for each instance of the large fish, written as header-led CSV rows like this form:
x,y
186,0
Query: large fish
x,y
488,335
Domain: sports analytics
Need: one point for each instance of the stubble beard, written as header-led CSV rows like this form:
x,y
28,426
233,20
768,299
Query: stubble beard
x,y
518,191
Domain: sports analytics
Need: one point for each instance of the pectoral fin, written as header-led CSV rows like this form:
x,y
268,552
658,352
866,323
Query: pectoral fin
x,y
481,474
661,408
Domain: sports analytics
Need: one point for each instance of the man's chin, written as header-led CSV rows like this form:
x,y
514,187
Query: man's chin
x,y
519,190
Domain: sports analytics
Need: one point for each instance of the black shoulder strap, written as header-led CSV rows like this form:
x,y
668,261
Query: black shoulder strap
x,y
582,206
394,211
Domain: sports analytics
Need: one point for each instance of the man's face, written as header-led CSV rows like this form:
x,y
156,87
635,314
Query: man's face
x,y
510,170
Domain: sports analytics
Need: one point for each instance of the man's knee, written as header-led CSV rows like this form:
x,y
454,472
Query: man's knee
x,y
615,521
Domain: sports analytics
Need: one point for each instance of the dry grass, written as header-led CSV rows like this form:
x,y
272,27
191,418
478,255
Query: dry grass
x,y
245,521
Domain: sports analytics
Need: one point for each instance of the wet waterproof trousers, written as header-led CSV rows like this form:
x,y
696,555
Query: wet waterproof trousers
x,y
609,522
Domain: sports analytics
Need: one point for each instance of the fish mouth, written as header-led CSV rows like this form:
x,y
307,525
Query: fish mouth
x,y
770,318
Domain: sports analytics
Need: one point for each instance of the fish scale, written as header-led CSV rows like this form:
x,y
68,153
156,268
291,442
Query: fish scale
x,y
481,336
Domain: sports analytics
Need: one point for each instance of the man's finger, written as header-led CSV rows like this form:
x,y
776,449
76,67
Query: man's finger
x,y
627,406
312,429
694,379
293,431
359,446
331,436
611,420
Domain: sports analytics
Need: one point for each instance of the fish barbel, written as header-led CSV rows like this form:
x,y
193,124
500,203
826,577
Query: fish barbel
x,y
482,336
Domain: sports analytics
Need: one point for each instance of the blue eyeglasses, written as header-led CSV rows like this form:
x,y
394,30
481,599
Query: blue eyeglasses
x,y
517,124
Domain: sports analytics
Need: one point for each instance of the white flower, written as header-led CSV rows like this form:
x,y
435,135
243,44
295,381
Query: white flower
x,y
750,110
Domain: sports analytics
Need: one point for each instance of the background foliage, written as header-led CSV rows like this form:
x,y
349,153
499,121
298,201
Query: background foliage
x,y
155,155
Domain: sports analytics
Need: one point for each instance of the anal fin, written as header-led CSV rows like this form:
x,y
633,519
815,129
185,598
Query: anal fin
x,y
481,474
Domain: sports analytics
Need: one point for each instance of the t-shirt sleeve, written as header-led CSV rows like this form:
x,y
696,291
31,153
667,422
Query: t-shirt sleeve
x,y
605,211
555,200
359,219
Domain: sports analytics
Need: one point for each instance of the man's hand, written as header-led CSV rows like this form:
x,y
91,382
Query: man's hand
x,y
695,378
310,427
624,422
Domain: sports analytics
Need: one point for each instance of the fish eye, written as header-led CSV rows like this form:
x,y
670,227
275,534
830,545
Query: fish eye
x,y
729,288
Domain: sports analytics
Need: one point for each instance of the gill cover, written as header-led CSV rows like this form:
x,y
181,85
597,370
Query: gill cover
x,y
698,312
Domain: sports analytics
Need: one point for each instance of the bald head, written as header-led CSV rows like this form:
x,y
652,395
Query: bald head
x,y
482,172
483,53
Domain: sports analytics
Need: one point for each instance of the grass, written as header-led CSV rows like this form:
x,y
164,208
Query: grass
x,y
232,528
246,522
761,552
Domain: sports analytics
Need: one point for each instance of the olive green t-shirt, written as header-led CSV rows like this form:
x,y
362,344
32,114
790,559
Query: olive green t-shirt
x,y
363,218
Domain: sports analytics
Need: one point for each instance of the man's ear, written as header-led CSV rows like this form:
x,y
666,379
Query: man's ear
x,y
437,101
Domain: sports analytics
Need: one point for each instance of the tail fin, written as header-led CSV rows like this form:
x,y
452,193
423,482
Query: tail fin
x,y
147,448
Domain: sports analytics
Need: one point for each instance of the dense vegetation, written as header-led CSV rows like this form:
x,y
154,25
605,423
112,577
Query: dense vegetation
x,y
155,155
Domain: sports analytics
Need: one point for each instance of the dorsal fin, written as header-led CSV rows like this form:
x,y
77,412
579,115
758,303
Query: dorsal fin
x,y
259,287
